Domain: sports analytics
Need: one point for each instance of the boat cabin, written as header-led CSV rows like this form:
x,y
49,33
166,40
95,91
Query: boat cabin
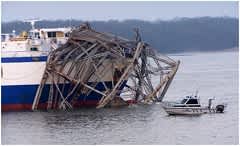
x,y
189,101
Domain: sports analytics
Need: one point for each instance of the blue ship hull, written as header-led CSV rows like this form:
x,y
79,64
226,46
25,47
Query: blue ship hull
x,y
21,97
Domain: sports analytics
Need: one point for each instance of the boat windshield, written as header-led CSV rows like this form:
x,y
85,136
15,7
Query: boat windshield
x,y
183,101
192,101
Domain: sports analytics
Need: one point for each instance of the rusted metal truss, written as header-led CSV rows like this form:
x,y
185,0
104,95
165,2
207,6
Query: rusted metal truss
x,y
90,58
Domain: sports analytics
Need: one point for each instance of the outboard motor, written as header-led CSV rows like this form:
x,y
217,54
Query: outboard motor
x,y
210,103
220,108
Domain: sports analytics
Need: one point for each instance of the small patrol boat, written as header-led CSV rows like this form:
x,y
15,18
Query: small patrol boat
x,y
190,105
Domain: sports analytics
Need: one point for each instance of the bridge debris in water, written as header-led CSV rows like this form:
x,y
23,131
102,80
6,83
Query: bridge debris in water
x,y
109,67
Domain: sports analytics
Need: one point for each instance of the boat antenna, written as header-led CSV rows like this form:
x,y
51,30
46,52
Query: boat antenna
x,y
196,94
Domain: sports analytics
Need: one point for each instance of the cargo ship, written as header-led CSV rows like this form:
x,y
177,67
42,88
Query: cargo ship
x,y
59,68
23,59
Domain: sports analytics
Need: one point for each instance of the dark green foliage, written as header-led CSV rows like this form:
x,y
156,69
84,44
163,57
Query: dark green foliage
x,y
178,35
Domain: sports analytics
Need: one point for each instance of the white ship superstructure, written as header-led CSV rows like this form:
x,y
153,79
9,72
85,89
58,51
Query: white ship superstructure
x,y
23,63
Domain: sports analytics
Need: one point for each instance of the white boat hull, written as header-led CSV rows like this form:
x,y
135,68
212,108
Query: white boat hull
x,y
185,110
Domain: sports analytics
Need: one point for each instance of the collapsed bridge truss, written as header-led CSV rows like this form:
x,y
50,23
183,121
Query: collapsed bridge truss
x,y
108,67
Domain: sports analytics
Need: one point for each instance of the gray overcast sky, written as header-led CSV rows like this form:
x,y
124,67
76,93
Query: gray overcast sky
x,y
115,10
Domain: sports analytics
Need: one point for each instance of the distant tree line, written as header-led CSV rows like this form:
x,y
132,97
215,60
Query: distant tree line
x,y
178,35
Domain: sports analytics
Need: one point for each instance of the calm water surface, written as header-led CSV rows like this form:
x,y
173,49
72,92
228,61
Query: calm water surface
x,y
212,74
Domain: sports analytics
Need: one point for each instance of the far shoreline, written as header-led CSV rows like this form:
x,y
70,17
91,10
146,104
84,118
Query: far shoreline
x,y
184,53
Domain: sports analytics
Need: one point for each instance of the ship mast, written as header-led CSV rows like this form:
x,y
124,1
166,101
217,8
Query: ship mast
x,y
32,22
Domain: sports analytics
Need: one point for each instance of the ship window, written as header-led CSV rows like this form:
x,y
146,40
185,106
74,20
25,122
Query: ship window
x,y
192,101
67,34
30,34
3,37
51,34
37,35
34,49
